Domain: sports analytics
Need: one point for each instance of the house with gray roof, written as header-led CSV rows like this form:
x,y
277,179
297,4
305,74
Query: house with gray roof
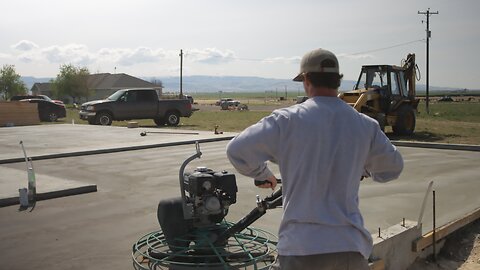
x,y
102,85
42,89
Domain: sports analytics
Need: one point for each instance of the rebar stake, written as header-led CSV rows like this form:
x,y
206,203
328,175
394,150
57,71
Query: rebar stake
x,y
434,229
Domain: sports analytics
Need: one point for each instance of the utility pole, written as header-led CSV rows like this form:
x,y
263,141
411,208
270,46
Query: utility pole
x,y
428,13
181,73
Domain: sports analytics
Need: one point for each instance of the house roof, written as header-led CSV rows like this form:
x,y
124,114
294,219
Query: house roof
x,y
103,81
41,87
116,81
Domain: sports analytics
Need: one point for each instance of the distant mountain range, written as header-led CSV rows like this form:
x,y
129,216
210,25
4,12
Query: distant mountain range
x,y
192,84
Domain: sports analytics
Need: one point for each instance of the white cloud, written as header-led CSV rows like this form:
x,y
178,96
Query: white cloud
x,y
28,57
25,45
210,56
71,53
79,54
139,55
129,57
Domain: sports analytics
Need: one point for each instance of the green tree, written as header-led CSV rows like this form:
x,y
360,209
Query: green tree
x,y
10,82
71,81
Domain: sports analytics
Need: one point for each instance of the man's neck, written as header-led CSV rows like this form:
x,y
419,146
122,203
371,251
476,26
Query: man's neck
x,y
323,92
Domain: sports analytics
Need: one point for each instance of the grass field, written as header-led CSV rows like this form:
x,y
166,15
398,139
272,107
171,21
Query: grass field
x,y
455,122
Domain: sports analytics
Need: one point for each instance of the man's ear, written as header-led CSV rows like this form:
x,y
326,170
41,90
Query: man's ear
x,y
306,86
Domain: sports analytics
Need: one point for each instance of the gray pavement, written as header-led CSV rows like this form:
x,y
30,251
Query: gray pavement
x,y
67,140
97,230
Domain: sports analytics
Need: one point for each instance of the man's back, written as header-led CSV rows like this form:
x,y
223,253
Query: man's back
x,y
327,147
321,147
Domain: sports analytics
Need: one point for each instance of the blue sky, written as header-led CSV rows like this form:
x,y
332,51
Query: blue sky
x,y
238,38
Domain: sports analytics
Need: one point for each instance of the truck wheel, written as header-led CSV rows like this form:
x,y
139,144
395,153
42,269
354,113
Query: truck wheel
x,y
104,119
173,118
52,117
405,124
159,121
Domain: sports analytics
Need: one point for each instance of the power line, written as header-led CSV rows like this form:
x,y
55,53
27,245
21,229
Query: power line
x,y
273,59
390,47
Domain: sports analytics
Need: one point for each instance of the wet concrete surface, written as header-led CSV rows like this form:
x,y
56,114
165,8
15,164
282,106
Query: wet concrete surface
x,y
97,230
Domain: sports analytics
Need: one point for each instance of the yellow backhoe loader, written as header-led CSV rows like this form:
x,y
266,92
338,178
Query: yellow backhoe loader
x,y
387,94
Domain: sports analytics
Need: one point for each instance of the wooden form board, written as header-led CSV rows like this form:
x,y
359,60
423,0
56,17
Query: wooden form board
x,y
16,113
441,232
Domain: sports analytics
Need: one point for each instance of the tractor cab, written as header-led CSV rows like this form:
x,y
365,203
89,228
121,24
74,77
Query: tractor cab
x,y
388,82
387,94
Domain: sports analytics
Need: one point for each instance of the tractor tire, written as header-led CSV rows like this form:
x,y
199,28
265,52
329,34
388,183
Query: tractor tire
x,y
159,121
381,119
173,118
104,119
406,119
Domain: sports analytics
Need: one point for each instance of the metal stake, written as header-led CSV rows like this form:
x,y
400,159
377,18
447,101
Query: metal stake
x,y
434,229
419,222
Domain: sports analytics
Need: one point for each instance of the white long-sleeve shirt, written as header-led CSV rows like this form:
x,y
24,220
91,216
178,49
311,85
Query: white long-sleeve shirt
x,y
322,147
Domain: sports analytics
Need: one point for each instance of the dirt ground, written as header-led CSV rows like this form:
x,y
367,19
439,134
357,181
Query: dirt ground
x,y
461,251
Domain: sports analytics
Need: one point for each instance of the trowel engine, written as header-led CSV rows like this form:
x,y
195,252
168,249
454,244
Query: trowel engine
x,y
205,198
200,211
210,193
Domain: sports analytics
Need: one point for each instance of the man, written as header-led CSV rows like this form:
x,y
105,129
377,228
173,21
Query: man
x,y
323,147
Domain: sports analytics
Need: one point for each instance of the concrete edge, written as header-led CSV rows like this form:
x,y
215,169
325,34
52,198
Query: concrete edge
x,y
113,150
392,246
461,147
51,195
398,246
444,231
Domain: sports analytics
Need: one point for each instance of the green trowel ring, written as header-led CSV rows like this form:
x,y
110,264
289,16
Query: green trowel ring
x,y
250,249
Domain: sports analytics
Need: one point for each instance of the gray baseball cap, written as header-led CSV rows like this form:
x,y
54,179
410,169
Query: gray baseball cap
x,y
318,60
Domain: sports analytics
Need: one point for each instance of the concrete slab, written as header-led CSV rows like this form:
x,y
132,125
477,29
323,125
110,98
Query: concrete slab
x,y
97,230
48,187
64,140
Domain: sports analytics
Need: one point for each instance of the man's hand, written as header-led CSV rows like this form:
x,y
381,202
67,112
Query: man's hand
x,y
270,182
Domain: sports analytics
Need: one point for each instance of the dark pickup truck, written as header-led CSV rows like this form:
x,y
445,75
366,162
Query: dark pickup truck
x,y
128,104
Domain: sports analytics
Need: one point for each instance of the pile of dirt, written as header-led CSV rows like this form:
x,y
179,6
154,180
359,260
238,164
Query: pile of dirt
x,y
461,251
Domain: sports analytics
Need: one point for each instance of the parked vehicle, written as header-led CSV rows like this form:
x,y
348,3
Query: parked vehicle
x,y
47,110
446,99
128,104
20,97
229,104
222,100
190,98
301,99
